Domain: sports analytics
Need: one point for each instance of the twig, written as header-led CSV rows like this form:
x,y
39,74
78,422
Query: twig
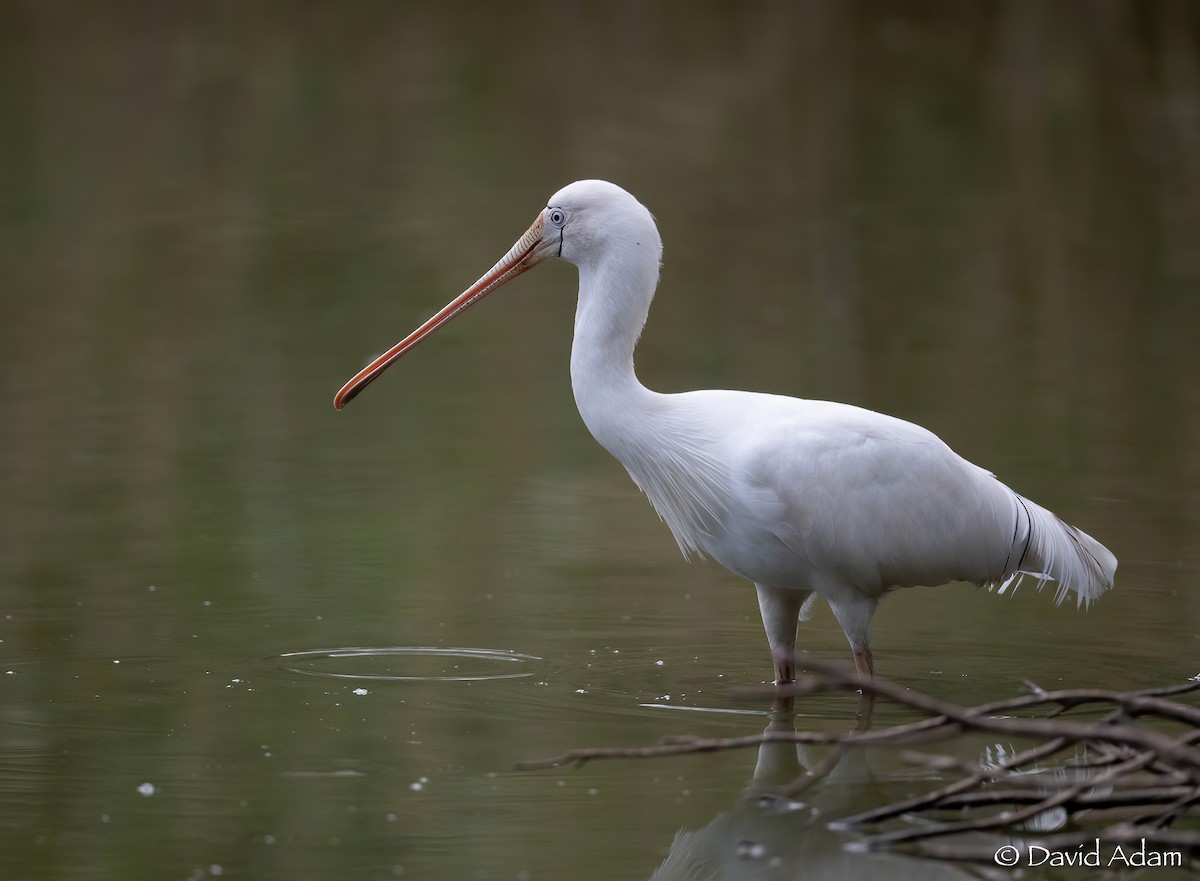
x,y
1146,795
1005,820
677,745
929,799
815,773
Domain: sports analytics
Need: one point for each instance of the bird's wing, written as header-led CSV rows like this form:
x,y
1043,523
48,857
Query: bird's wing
x,y
875,501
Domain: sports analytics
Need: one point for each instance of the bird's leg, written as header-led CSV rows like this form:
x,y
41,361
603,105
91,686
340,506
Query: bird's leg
x,y
864,662
854,612
780,608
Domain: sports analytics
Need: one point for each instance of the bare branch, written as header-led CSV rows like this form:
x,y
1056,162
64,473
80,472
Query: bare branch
x,y
1127,770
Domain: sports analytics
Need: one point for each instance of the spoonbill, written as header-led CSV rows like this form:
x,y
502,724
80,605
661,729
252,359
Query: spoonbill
x,y
800,497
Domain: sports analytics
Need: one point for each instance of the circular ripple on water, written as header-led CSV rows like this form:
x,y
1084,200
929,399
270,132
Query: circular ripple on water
x,y
411,663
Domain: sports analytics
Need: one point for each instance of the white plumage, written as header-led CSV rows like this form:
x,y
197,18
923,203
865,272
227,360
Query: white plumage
x,y
801,497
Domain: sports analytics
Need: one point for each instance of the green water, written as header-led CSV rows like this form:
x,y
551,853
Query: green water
x,y
980,217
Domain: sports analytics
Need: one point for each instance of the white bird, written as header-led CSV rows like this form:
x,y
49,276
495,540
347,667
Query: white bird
x,y
800,497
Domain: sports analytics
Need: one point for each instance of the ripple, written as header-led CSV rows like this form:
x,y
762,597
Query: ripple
x,y
396,663
687,708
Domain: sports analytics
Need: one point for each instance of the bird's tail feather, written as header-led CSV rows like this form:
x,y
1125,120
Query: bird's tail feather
x,y
1048,549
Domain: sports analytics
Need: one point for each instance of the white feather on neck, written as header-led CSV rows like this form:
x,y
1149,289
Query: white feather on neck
x,y
658,445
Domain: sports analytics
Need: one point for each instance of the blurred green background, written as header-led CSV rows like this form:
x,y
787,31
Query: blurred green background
x,y
981,217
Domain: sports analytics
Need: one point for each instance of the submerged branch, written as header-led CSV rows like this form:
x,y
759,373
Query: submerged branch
x,y
1132,771
677,745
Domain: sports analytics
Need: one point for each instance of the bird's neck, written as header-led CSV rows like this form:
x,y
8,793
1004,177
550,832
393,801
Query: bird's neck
x,y
614,300
665,449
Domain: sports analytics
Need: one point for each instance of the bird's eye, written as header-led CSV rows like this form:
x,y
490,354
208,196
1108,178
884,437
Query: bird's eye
x,y
557,217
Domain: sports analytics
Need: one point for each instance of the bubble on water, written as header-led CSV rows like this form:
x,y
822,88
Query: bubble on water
x,y
658,663
416,786
778,804
146,789
215,869
391,818
268,839
750,850
361,691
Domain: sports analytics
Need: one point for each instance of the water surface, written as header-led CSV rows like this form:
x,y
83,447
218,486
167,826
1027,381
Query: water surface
x,y
982,218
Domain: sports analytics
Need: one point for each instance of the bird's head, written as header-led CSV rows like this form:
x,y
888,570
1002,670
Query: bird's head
x,y
586,223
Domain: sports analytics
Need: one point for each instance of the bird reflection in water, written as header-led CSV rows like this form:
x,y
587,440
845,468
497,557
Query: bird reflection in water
x,y
776,837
